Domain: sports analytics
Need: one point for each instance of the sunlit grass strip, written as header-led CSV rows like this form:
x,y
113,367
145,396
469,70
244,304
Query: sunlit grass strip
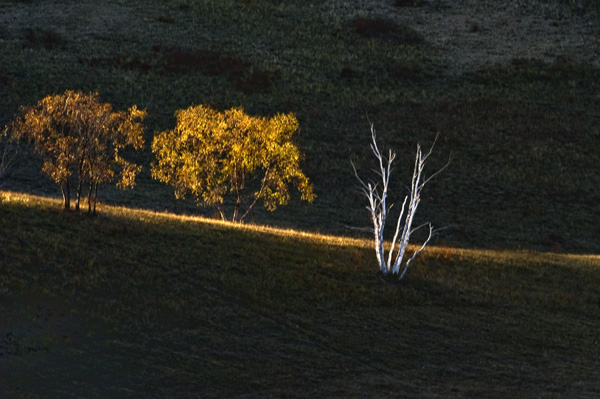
x,y
508,257
14,197
513,257
149,216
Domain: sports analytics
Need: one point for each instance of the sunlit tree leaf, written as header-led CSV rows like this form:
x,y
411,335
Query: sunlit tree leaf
x,y
215,156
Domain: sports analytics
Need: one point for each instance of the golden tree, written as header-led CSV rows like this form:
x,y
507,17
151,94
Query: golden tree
x,y
79,136
218,156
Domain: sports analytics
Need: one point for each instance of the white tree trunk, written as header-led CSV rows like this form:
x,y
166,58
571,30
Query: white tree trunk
x,y
378,208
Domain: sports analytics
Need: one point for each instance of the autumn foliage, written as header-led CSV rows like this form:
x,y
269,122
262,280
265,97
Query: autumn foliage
x,y
79,137
231,158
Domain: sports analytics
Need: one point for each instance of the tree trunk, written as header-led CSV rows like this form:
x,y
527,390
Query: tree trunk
x,y
90,197
223,218
79,188
79,185
236,209
378,208
66,193
238,192
257,196
95,196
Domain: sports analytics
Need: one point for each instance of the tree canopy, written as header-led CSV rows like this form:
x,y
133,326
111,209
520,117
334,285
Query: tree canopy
x,y
220,156
79,136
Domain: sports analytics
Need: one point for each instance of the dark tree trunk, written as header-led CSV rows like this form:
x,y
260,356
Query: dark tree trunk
x,y
223,218
90,197
95,196
236,209
79,186
66,192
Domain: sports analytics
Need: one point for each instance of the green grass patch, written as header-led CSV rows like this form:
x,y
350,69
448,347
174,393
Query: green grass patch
x,y
562,8
382,28
137,303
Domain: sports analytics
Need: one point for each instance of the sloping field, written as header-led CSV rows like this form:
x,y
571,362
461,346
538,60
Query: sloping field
x,y
134,304
512,87
142,301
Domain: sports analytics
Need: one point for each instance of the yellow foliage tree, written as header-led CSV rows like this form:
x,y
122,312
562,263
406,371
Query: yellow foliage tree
x,y
216,155
78,135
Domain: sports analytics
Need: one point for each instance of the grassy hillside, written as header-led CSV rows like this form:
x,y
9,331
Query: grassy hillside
x,y
138,302
135,304
513,88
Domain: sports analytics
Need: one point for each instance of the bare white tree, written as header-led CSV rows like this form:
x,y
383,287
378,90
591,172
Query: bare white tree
x,y
377,194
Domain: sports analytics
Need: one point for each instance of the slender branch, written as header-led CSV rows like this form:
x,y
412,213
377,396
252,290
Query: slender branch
x,y
378,209
256,197
436,173
420,227
439,170
431,232
395,239
220,209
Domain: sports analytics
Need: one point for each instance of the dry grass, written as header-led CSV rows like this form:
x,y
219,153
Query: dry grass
x,y
135,303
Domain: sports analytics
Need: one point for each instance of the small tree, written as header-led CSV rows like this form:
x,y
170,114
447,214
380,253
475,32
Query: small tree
x,y
118,131
78,135
377,194
217,155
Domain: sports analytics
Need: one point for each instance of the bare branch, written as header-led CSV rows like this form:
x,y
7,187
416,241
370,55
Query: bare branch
x,y
420,227
398,226
438,172
378,209
431,232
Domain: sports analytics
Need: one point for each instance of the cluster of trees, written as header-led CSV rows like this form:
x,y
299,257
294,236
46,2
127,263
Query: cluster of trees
x,y
79,137
215,156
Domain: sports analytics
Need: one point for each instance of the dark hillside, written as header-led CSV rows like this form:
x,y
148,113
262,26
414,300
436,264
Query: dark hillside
x,y
513,88
134,304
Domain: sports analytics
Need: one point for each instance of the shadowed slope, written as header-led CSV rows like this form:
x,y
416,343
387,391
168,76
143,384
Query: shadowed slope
x,y
140,304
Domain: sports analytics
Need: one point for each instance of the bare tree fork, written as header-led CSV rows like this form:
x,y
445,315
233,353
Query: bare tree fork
x,y
377,195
